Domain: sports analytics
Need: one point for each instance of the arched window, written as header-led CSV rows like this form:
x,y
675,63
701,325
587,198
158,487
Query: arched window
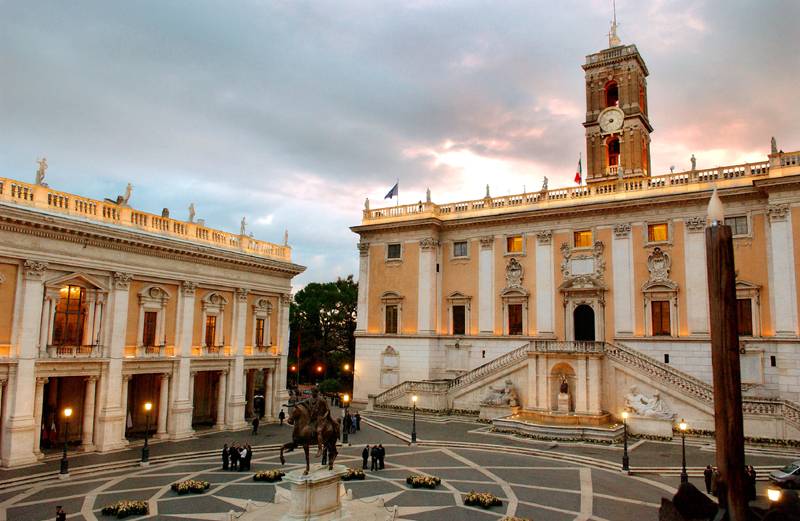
x,y
613,151
612,94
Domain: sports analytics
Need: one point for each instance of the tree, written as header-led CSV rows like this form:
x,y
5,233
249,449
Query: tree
x,y
323,318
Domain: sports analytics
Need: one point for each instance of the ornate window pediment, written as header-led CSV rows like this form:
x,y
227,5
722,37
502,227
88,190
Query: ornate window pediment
x,y
583,270
660,296
76,279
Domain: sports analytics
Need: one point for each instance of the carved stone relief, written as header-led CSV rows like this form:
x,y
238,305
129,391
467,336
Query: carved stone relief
x,y
122,280
514,273
487,242
622,230
696,224
659,263
778,212
34,269
428,243
544,237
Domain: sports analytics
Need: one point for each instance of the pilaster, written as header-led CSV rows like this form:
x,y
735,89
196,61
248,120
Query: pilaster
x,y
362,319
782,272
179,424
622,272
426,303
486,296
545,292
696,276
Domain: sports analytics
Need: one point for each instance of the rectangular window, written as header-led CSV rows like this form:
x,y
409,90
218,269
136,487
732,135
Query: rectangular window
x,y
666,358
738,224
660,317
149,330
260,332
459,320
70,316
773,361
657,232
393,251
515,319
211,330
744,316
514,244
460,249
583,239
391,319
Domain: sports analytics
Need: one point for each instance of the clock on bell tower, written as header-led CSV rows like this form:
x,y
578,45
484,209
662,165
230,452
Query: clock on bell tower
x,y
617,126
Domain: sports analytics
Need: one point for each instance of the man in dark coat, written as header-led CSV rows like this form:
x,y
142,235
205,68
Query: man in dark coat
x,y
225,457
234,451
381,455
365,457
358,421
374,454
281,416
60,514
708,473
255,425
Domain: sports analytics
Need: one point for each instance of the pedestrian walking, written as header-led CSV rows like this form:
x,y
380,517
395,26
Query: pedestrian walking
x,y
358,421
365,457
708,473
381,455
255,425
60,514
374,455
226,456
281,416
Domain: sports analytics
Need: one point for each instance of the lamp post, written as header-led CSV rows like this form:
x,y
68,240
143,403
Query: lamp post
x,y
145,448
414,419
346,400
625,461
683,426
64,462
319,371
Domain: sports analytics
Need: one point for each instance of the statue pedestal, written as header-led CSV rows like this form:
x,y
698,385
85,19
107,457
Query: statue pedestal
x,y
563,403
650,426
317,496
491,412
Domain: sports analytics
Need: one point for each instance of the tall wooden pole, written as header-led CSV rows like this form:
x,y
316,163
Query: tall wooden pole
x,y
728,421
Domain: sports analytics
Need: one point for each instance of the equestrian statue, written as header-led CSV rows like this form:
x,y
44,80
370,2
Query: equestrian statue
x,y
313,423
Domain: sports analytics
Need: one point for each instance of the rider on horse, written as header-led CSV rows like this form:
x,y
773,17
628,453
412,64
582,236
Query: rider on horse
x,y
320,412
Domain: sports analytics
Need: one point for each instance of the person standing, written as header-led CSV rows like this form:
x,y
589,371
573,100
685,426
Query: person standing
x,y
225,457
249,457
243,458
60,514
708,473
374,454
281,416
346,423
255,425
365,457
358,421
234,451
381,455
751,482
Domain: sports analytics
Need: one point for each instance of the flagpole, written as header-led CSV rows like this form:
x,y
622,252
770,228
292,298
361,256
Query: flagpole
x,y
397,182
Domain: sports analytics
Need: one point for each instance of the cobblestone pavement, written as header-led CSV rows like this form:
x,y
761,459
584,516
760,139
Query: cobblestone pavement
x,y
540,486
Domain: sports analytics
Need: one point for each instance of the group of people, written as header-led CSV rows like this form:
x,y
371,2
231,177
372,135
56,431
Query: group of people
x,y
351,422
711,478
377,453
237,457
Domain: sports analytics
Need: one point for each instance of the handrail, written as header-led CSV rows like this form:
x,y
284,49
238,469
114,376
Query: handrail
x,y
499,363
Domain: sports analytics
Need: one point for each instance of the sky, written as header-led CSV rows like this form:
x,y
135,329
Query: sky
x,y
291,113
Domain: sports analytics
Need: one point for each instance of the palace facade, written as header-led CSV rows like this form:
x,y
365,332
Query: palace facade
x,y
451,293
107,308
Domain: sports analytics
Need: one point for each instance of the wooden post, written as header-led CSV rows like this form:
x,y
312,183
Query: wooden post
x,y
728,421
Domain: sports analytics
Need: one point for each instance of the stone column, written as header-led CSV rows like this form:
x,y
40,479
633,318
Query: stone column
x,y
486,296
622,267
87,438
545,292
19,429
163,407
595,385
44,332
38,403
248,392
531,402
782,273
543,396
221,393
696,276
110,426
124,404
426,300
269,394
362,317
180,420
234,418
284,346
581,386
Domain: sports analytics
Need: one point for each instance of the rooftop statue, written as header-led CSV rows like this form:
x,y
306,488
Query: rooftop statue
x,y
773,145
242,226
125,198
41,171
191,212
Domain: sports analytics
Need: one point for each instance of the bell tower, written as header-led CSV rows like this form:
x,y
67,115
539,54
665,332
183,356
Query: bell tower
x,y
617,126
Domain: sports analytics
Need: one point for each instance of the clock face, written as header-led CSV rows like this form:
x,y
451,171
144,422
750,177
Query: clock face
x,y
611,119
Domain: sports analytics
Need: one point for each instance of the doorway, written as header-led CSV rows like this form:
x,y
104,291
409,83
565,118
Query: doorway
x,y
583,320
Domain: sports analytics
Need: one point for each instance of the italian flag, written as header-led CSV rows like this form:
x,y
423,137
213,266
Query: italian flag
x,y
578,174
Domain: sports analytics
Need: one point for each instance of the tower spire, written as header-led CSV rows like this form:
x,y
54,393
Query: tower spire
x,y
613,39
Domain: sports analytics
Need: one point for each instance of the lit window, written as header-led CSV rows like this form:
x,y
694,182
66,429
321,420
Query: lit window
x,y
393,251
260,332
738,224
660,316
583,239
514,244
657,232
70,316
391,319
149,330
459,320
211,330
613,151
460,249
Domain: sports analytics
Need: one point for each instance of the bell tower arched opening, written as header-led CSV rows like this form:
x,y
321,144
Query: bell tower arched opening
x,y
612,94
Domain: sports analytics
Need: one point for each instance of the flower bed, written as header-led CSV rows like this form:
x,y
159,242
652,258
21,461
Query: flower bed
x,y
514,518
481,499
423,481
123,509
191,485
270,476
353,474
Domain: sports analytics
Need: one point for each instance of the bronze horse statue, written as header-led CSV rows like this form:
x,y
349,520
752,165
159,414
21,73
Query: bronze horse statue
x,y
305,433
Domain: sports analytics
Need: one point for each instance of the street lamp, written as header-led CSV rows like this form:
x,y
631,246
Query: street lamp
x,y
146,449
414,419
64,462
625,466
346,367
346,400
683,426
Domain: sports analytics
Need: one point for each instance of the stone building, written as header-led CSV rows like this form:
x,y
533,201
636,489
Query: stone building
x,y
106,308
562,282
